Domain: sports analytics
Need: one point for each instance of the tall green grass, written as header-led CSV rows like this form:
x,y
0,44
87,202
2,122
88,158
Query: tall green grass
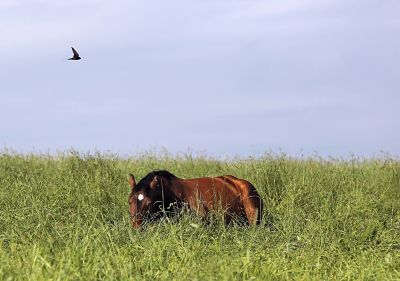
x,y
66,217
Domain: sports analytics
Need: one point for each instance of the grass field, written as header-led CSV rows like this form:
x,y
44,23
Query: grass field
x,y
66,217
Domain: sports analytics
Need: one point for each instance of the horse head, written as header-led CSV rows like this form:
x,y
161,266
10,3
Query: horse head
x,y
149,197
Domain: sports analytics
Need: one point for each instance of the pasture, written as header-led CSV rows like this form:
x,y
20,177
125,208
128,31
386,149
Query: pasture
x,y
65,217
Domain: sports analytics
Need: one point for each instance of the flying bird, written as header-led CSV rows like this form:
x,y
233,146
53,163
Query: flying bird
x,y
76,55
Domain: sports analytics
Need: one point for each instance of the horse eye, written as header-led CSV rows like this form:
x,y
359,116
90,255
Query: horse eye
x,y
140,197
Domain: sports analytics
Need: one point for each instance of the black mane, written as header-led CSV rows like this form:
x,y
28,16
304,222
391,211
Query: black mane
x,y
150,176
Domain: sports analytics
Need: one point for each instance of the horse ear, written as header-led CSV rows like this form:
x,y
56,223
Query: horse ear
x,y
132,182
154,182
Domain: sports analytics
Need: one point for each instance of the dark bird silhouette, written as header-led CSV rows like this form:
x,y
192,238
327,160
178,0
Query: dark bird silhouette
x,y
76,55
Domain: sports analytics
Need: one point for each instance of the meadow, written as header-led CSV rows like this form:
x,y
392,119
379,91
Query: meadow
x,y
65,217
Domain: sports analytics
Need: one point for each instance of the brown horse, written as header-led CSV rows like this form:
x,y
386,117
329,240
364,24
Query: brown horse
x,y
161,191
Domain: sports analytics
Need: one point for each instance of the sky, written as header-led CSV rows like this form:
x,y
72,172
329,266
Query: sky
x,y
216,77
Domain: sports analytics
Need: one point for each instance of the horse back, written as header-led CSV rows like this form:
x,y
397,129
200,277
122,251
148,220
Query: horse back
x,y
234,194
244,187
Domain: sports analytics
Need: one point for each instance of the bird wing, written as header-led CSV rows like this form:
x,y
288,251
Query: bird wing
x,y
75,52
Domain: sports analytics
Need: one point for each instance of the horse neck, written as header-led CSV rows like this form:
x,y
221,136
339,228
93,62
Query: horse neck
x,y
174,188
167,192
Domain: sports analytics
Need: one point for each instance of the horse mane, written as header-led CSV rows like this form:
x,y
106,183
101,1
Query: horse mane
x,y
150,176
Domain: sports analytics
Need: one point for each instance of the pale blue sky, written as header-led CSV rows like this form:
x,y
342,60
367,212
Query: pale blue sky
x,y
217,76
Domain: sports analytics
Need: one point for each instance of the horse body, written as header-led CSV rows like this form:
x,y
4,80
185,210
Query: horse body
x,y
236,198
